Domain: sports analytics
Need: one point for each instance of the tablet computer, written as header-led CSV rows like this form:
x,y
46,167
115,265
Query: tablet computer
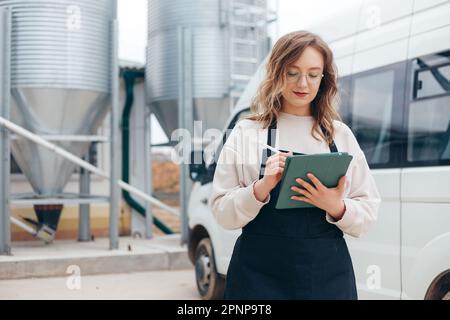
x,y
327,167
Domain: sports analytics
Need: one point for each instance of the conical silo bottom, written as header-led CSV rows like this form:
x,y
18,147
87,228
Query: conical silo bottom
x,y
47,172
59,114
48,215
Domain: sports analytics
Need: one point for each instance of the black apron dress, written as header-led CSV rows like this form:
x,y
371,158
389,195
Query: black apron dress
x,y
290,254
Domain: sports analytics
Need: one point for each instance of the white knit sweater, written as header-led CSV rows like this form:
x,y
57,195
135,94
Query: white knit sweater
x,y
233,201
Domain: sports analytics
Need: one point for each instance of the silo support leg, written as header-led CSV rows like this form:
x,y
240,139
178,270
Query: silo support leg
x,y
114,145
185,120
84,228
5,51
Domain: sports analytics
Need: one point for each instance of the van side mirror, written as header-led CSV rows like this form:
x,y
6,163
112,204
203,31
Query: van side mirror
x,y
197,167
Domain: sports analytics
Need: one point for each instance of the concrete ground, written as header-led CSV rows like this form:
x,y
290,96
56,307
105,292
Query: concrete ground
x,y
156,269
155,285
37,260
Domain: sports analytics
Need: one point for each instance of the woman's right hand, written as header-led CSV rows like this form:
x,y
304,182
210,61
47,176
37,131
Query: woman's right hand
x,y
273,173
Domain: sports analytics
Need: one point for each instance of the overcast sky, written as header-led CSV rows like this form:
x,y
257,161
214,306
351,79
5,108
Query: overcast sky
x,y
292,15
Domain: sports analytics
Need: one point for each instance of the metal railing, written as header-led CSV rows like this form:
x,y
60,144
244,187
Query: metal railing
x,y
6,126
82,163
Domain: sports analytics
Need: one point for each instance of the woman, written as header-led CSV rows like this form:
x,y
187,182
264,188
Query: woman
x,y
292,253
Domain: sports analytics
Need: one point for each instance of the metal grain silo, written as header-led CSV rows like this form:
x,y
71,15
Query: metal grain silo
x,y
60,81
229,40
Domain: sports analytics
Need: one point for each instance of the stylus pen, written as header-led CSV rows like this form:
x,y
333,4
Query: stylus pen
x,y
270,148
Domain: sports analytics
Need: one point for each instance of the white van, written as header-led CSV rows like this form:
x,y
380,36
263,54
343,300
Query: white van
x,y
395,96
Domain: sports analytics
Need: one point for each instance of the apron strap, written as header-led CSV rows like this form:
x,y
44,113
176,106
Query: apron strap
x,y
333,147
271,140
266,152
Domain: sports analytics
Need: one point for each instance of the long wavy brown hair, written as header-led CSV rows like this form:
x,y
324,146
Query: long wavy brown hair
x,y
267,103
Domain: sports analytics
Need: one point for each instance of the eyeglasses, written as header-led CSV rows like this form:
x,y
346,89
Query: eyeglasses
x,y
311,78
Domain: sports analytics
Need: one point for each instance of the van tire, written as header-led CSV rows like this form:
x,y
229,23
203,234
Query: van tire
x,y
440,287
210,284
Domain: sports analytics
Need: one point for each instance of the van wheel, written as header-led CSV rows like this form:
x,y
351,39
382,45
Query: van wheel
x,y
210,284
440,287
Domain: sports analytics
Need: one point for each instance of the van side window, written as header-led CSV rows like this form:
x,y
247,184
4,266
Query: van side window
x,y
371,114
344,90
431,81
428,121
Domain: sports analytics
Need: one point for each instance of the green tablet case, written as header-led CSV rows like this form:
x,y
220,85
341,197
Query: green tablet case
x,y
327,167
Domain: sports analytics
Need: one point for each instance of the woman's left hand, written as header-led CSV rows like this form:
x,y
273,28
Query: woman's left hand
x,y
328,199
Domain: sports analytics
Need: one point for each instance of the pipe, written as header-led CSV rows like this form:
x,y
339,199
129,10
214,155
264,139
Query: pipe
x,y
129,78
143,195
43,232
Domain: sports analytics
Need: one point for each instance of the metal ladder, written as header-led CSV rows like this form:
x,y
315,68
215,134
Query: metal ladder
x,y
247,39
